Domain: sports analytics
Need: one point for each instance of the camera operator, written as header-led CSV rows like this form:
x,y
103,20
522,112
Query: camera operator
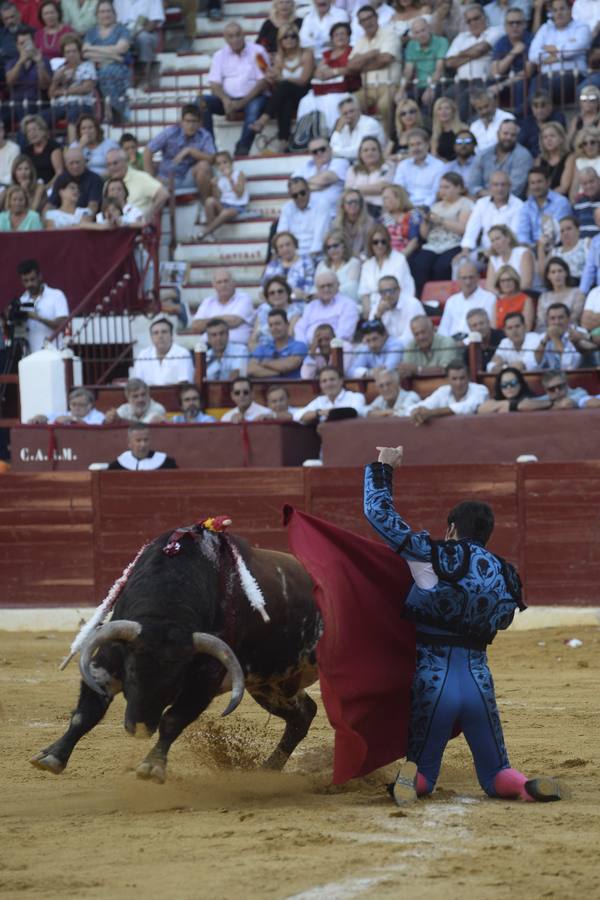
x,y
44,308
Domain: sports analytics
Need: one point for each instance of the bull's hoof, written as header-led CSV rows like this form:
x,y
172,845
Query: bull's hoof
x,y
47,763
152,770
276,761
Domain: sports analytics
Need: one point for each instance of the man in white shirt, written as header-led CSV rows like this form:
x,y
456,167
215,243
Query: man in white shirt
x,y
500,208
470,54
314,33
396,314
376,57
590,317
392,400
333,396
471,296
460,397
227,303
420,174
324,175
139,406
303,217
46,308
328,308
164,362
587,11
559,50
489,118
518,348
245,409
352,127
81,411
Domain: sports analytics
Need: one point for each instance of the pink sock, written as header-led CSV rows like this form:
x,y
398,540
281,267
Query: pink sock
x,y
510,783
422,786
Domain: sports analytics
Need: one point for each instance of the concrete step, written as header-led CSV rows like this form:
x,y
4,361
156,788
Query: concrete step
x,y
250,273
250,22
230,253
213,42
194,295
184,61
237,8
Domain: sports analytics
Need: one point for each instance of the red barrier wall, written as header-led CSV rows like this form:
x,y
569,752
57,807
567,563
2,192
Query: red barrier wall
x,y
64,538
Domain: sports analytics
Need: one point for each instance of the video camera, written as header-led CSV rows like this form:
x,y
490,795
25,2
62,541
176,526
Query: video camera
x,y
16,318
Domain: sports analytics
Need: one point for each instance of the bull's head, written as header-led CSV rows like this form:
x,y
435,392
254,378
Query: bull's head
x,y
152,678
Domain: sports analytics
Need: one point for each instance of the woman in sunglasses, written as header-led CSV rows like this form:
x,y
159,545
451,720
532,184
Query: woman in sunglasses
x,y
408,115
278,295
511,394
289,80
337,258
588,113
354,221
382,260
587,156
283,12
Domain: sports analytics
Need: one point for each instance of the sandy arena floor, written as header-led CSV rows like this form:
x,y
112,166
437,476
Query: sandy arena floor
x,y
219,829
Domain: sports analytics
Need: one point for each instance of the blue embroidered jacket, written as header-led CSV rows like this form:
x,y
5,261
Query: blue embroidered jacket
x,y
477,592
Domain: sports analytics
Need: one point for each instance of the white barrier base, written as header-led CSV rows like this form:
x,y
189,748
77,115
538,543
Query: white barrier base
x,y
70,619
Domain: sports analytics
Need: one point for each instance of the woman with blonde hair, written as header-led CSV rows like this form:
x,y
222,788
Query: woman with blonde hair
x,y
337,258
382,261
587,156
401,219
354,221
23,174
282,13
370,174
588,114
17,215
555,158
504,251
446,124
42,150
408,116
511,299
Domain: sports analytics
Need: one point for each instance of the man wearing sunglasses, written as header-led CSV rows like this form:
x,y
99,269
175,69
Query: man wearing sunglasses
x,y
303,217
560,395
351,128
559,53
376,57
510,64
324,175
245,408
465,148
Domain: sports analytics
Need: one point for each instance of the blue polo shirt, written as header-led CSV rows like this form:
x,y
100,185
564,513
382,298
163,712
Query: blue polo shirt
x,y
292,348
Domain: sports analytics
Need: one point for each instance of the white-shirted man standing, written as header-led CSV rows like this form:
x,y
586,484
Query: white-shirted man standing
x,y
46,308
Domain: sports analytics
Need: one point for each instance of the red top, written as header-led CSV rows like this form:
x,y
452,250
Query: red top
x,y
49,44
507,305
349,84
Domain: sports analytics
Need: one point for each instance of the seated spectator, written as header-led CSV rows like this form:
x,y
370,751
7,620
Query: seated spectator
x,y
505,156
317,25
511,299
554,157
164,362
333,396
9,151
145,192
541,211
441,232
69,213
376,57
370,174
237,83
129,144
225,359
42,150
500,208
590,317
460,397
329,307
278,402
107,45
354,221
562,344
139,457
48,38
572,249
377,351
288,81
331,79
510,64
27,75
81,411
381,261
89,184
428,351
230,197
408,116
139,406
518,348
298,271
588,113
351,128
278,294
560,395
586,206
504,251
320,352
17,215
114,189
337,258
281,356
79,14
187,152
542,112
324,176
470,55
420,174
497,11
446,124
489,118
10,19
190,404
407,12
245,409
228,303
93,144
556,279
478,322
395,313
392,399
401,219
464,154
471,296
303,217
23,175
282,12
385,13
559,53
511,394
590,277
587,156
423,66
143,20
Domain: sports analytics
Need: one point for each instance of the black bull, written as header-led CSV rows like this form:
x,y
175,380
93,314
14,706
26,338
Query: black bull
x,y
183,630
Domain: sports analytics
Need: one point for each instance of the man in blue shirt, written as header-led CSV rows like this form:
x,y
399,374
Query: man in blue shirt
x,y
542,211
590,277
191,407
225,359
187,152
281,356
505,156
377,351
509,59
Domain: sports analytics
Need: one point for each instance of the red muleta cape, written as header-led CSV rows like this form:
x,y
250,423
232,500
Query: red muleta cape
x,y
367,653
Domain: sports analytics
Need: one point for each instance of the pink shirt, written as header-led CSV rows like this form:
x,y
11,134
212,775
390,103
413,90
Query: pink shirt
x,y
237,73
239,305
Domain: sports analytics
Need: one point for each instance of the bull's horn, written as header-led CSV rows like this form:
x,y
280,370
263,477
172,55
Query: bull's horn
x,y
214,646
119,630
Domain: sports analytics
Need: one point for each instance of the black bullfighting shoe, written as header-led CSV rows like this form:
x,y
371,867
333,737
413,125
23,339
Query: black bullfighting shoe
x,y
543,789
404,789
